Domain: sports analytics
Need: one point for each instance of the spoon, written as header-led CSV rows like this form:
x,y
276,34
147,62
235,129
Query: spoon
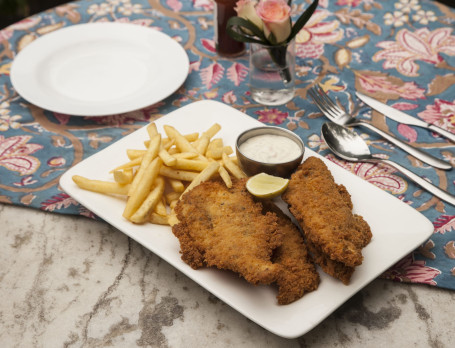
x,y
348,145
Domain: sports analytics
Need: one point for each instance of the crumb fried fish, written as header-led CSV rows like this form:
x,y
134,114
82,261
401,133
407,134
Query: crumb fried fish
x,y
299,275
225,228
324,210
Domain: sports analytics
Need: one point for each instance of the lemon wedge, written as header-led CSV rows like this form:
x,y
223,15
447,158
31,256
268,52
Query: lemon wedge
x,y
266,186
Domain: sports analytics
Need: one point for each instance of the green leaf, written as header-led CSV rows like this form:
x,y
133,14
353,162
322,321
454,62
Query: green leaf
x,y
242,37
303,19
244,25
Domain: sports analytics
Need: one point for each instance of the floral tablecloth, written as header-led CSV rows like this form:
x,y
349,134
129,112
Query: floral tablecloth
x,y
398,51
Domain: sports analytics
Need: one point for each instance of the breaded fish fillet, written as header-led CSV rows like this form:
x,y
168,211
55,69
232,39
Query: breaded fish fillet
x,y
334,268
225,228
323,209
299,275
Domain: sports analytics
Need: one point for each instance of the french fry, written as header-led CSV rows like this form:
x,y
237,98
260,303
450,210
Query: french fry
x,y
150,202
191,165
152,130
166,142
177,174
202,144
100,186
205,175
176,185
166,157
143,187
152,152
174,151
191,136
180,141
225,176
160,207
207,135
228,150
172,196
187,155
158,219
123,176
210,133
234,159
128,165
133,154
233,168
215,149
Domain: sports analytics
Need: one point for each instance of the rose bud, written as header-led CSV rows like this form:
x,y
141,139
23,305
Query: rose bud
x,y
275,15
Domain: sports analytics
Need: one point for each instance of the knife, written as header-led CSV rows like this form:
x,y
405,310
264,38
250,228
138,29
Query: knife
x,y
401,117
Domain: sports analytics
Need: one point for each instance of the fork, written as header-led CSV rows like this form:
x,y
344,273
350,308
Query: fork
x,y
335,114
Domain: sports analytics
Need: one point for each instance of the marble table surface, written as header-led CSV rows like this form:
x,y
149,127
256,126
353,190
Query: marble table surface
x,y
68,281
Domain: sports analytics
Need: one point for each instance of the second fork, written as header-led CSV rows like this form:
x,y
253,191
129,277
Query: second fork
x,y
335,114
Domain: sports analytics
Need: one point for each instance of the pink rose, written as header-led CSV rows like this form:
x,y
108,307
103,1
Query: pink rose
x,y
275,15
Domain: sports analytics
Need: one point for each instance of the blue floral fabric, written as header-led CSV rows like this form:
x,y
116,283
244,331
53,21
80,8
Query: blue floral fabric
x,y
401,52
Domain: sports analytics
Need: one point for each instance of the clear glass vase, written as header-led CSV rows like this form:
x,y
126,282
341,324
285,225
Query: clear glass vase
x,y
272,73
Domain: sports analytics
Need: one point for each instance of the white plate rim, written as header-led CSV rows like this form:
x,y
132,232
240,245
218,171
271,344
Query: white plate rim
x,y
392,239
24,69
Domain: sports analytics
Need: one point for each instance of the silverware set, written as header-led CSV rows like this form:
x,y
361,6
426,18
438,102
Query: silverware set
x,y
337,115
346,144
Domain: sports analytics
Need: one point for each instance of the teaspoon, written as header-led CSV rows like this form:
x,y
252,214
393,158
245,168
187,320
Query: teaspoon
x,y
348,145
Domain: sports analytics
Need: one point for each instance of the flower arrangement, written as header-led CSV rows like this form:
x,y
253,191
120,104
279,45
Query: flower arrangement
x,y
267,22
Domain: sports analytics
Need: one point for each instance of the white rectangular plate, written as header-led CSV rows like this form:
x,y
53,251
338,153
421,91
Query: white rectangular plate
x,y
397,228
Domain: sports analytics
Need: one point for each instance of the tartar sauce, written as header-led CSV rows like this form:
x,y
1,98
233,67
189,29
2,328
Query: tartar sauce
x,y
270,148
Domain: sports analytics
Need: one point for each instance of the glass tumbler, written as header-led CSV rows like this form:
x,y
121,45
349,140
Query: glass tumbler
x,y
272,73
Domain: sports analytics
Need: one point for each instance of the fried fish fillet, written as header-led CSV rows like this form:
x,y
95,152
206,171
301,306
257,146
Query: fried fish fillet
x,y
225,228
324,210
334,268
299,275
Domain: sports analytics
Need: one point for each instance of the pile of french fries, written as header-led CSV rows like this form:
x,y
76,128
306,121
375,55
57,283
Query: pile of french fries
x,y
156,177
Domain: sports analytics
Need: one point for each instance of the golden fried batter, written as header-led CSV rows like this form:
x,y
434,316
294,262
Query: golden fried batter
x,y
225,228
299,275
324,211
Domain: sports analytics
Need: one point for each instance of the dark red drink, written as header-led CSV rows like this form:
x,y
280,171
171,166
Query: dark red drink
x,y
225,45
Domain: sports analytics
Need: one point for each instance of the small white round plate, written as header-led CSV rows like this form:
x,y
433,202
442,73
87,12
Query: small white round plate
x,y
99,69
